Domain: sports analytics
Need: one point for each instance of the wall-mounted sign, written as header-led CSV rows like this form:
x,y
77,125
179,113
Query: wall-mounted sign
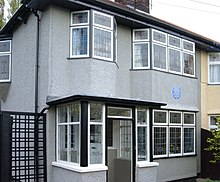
x,y
176,92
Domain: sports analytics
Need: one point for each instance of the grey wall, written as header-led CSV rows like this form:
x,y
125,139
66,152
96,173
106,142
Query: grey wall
x,y
176,168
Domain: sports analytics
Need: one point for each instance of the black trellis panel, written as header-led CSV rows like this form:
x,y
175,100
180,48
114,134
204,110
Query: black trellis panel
x,y
28,147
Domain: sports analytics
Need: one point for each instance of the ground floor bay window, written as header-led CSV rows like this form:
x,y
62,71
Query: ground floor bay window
x,y
104,135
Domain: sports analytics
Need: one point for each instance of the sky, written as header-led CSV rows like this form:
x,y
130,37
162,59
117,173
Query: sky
x,y
199,16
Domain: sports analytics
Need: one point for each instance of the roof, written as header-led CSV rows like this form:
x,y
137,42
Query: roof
x,y
123,14
108,100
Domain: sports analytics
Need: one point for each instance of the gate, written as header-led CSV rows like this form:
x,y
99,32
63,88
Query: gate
x,y
23,147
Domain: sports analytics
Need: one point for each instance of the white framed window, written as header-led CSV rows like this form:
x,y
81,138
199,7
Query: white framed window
x,y
160,136
213,122
188,140
159,57
96,133
174,42
173,138
188,64
159,37
102,36
141,49
5,61
188,46
68,133
175,60
175,118
79,34
214,68
119,112
142,134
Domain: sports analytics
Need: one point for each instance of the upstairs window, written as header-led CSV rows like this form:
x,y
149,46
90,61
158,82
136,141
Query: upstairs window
x,y
214,68
213,120
159,40
79,34
102,36
5,61
141,49
99,30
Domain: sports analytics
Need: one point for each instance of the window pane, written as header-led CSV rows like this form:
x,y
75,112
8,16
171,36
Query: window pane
x,y
174,41
175,60
141,55
62,143
62,114
95,112
160,138
175,140
213,120
141,117
79,18
142,143
188,63
141,35
5,46
125,136
4,67
159,55
74,112
102,43
103,20
79,41
159,36
189,140
74,143
214,57
189,118
189,46
160,117
214,73
175,118
96,144
119,112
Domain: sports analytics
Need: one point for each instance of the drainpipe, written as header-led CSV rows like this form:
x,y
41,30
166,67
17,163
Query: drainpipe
x,y
37,60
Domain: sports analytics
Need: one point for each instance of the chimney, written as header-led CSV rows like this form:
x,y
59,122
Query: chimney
x,y
142,5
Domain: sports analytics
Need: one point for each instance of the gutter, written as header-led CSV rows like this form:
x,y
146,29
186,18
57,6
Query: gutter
x,y
37,60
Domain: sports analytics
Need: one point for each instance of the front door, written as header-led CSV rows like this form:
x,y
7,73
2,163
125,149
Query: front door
x,y
119,150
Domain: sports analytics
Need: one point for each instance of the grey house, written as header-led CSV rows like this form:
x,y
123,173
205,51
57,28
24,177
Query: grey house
x,y
120,88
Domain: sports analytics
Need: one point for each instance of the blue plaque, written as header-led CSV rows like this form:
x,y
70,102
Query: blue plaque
x,y
176,92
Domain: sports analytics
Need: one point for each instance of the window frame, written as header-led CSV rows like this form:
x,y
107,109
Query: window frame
x,y
172,46
103,14
141,40
209,70
181,143
7,53
194,117
194,141
156,41
176,124
186,50
167,117
80,24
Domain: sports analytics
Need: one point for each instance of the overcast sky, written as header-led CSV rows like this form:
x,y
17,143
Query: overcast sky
x,y
200,16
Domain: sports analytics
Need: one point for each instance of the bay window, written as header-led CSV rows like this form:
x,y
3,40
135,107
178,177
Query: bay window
x,y
169,53
5,61
214,68
99,30
173,138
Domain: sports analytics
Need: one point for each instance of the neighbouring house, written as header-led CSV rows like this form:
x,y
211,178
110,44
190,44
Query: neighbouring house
x,y
121,89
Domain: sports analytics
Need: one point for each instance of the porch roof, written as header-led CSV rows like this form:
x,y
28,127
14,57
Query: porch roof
x,y
107,100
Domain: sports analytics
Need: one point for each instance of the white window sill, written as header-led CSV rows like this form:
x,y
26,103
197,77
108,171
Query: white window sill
x,y
147,164
92,168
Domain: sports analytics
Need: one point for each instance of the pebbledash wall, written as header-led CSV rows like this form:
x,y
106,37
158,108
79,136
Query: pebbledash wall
x,y
61,76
